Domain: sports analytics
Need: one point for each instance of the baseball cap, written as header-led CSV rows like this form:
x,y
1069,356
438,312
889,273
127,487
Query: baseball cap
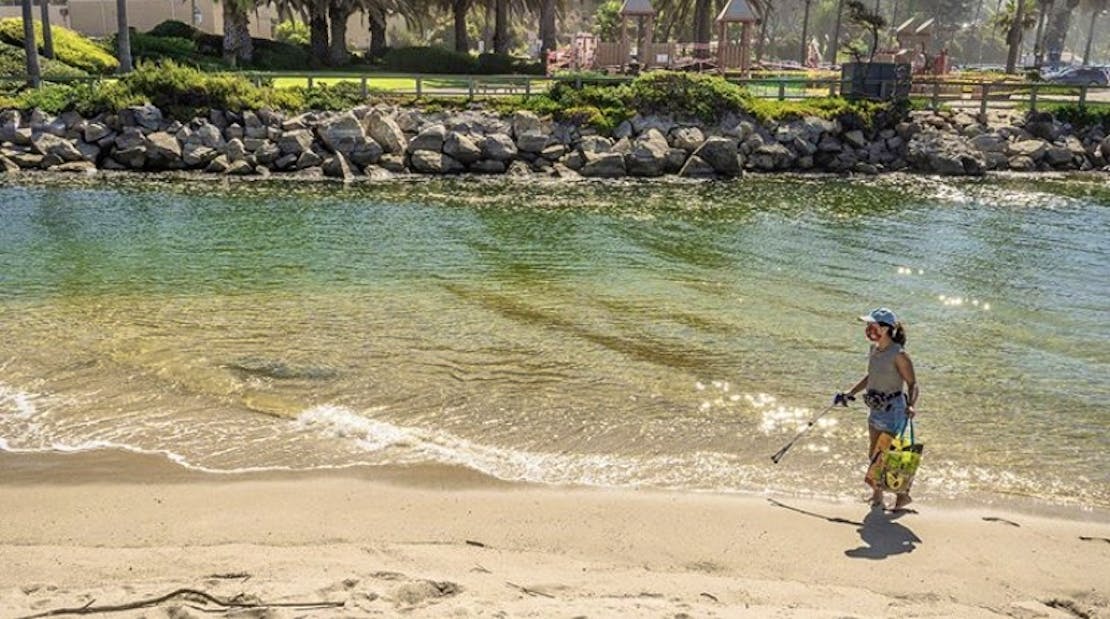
x,y
882,316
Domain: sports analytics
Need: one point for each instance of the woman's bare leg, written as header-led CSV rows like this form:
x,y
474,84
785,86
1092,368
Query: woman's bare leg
x,y
876,491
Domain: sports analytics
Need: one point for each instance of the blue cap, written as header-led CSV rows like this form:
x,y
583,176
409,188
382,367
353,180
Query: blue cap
x,y
882,316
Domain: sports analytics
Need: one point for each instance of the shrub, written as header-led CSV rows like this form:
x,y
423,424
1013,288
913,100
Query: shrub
x,y
174,29
277,56
694,94
436,60
604,121
340,96
494,64
292,31
1090,115
69,47
13,61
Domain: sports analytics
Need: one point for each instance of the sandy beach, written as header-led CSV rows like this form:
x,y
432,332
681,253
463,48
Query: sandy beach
x,y
110,528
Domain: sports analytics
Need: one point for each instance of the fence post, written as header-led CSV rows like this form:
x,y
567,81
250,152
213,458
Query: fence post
x,y
936,96
310,81
985,88
365,88
527,87
1032,97
782,90
419,86
470,88
1083,95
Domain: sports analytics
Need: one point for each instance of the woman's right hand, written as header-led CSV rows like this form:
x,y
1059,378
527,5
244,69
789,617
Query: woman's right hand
x,y
842,398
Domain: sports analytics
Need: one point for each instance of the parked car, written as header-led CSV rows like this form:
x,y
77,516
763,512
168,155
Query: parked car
x,y
1079,76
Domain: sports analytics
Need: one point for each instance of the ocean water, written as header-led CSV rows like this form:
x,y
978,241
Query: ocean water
x,y
664,335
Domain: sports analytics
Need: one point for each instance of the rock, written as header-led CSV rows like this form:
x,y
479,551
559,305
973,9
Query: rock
x,y
721,154
573,160
553,152
393,163
308,159
198,155
1023,163
336,166
989,143
1057,156
772,156
432,162
623,130
531,142
945,163
519,169
219,165
461,148
741,131
895,143
297,123
295,142
499,147
696,167
676,158
829,144
236,151
687,138
25,161
803,147
1033,149
131,137
595,144
76,167
234,132
1104,148
253,144
240,168
622,146
210,136
385,131
96,131
603,165
662,124
134,158
559,170
863,167
378,173
855,138
89,152
430,139
342,134
7,166
147,116
162,149
367,153
648,154
284,162
47,144
488,166
525,122
267,154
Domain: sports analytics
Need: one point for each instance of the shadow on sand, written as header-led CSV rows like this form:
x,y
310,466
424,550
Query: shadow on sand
x,y
881,534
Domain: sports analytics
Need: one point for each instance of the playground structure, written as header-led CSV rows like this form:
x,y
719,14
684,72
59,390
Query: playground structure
x,y
914,49
730,52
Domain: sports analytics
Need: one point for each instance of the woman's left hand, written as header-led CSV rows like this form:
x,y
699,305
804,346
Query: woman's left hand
x,y
911,411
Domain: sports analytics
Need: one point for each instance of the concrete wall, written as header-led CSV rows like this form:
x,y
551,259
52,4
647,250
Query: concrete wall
x,y
59,15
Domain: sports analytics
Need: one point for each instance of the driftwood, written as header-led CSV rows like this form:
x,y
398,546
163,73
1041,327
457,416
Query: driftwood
x,y
471,542
189,594
1088,538
1002,520
532,592
710,596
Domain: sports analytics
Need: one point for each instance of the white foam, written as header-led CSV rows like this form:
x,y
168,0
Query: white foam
x,y
18,403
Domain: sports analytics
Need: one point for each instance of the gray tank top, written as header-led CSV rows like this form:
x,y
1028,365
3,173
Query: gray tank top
x,y
882,374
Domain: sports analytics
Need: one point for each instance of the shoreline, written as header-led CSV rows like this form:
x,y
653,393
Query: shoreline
x,y
430,541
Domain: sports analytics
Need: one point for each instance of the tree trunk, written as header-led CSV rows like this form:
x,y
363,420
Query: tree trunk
x,y
501,26
834,47
1014,38
703,27
33,74
1091,35
805,34
318,32
123,37
1056,28
462,41
1038,37
547,28
47,34
377,34
238,47
337,51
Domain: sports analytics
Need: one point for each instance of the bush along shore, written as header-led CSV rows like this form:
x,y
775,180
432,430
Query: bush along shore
x,y
380,141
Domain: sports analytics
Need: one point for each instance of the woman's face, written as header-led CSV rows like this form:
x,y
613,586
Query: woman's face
x,y
873,331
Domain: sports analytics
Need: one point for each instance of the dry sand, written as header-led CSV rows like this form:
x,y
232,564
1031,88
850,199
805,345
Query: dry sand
x,y
111,528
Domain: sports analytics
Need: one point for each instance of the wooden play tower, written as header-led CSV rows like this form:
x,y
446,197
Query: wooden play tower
x,y
731,55
648,53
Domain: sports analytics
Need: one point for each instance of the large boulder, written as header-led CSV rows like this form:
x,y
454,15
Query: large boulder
x,y
488,166
131,137
342,134
696,167
336,166
773,156
595,144
532,142
721,153
385,131
687,138
461,148
525,122
432,162
430,139
855,138
603,165
162,150
198,155
648,154
295,142
47,144
94,132
498,147
1034,149
1057,156
147,116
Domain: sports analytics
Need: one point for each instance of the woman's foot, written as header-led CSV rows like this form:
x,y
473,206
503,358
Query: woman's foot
x,y
877,498
902,501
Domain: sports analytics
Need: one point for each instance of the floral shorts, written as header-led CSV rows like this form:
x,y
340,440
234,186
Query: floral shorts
x,y
889,417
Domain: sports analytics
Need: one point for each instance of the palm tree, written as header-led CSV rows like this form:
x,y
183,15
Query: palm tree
x,y
501,26
1038,39
1014,21
1096,7
123,37
33,74
805,34
547,27
238,47
47,35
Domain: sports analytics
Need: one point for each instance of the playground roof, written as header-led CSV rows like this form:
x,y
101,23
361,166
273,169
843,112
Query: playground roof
x,y
738,11
637,7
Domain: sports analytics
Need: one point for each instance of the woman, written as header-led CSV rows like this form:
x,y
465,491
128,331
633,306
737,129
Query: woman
x,y
891,392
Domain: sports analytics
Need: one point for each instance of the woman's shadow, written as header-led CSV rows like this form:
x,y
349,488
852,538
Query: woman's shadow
x,y
882,536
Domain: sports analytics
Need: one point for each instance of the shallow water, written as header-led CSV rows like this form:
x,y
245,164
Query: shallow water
x,y
635,334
